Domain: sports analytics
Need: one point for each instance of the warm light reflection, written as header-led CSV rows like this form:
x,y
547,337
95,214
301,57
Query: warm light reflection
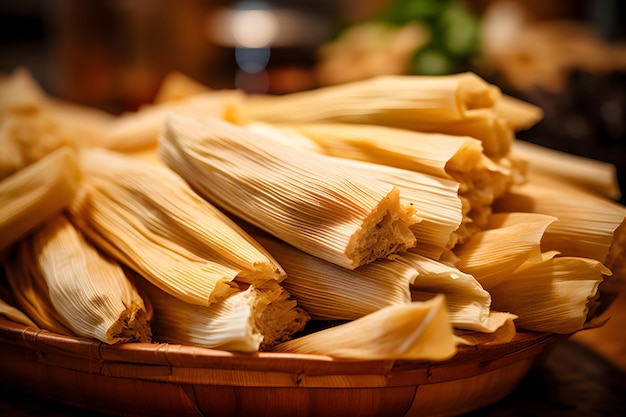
x,y
254,28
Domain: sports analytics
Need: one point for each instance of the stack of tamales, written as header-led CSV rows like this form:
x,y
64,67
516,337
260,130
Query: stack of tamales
x,y
394,213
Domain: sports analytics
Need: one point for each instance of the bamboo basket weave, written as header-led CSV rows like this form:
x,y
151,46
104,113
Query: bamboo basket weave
x,y
166,379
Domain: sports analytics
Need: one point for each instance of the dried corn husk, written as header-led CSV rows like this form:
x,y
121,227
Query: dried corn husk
x,y
391,100
296,195
495,133
458,104
451,157
140,129
509,240
416,331
148,218
63,282
178,86
556,294
443,213
468,304
35,193
587,222
254,319
436,199
33,124
579,171
330,292
520,114
589,225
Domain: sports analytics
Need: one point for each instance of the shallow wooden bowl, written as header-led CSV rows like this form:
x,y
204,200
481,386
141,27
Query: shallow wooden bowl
x,y
175,380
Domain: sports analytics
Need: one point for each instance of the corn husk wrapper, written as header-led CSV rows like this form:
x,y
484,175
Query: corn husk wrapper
x,y
250,320
510,240
458,104
587,222
33,124
298,196
589,225
329,292
415,331
436,199
596,176
391,100
140,129
450,157
468,304
519,114
64,283
554,295
148,218
178,86
35,193
503,334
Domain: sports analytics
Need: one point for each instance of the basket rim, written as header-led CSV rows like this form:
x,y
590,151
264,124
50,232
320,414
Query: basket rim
x,y
524,345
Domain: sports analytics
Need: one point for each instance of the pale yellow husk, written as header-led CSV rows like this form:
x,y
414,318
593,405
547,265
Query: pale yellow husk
x,y
250,320
329,292
435,199
416,331
296,195
520,114
140,129
580,171
148,218
87,292
458,158
33,124
391,100
460,104
35,193
589,224
468,304
554,295
509,240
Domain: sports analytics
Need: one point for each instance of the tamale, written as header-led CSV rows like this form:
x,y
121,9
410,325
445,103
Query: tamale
x,y
509,240
35,193
62,281
296,195
580,171
556,294
415,331
250,320
33,124
589,224
457,158
330,292
148,218
389,100
467,302
15,314
442,211
458,104
140,129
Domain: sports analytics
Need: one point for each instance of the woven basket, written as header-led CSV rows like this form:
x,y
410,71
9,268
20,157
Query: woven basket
x,y
167,379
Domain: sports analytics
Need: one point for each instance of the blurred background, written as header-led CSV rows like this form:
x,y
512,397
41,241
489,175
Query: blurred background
x,y
569,57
